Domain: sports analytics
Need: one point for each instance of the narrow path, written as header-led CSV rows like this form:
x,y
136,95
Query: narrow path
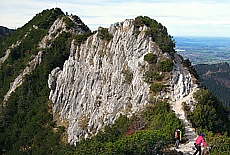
x,y
190,134
176,103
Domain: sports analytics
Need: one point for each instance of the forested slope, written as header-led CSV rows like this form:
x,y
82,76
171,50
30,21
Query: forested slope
x,y
27,125
216,78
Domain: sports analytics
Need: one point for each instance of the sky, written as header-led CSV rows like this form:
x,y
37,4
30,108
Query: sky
x,y
209,18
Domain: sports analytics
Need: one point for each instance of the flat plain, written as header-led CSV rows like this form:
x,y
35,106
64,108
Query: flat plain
x,y
204,50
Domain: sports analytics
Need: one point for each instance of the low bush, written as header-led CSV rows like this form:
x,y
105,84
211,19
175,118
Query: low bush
x,y
165,65
151,58
156,87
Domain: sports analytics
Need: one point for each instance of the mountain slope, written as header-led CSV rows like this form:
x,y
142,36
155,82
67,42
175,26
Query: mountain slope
x,y
102,92
26,117
216,78
5,31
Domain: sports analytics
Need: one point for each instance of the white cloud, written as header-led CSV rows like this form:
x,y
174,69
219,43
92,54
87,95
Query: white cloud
x,y
181,17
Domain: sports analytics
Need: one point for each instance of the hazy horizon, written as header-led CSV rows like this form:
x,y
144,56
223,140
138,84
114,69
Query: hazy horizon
x,y
204,50
181,17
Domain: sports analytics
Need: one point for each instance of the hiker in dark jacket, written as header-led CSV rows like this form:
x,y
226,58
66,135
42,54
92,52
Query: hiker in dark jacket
x,y
177,136
199,140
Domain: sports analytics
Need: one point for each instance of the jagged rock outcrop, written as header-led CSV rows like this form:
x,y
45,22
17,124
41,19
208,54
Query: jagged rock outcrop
x,y
182,82
91,91
58,27
19,80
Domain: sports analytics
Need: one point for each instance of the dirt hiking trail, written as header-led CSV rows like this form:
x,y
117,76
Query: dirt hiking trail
x,y
176,104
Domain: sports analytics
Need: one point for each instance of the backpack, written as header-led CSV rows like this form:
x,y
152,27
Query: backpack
x,y
178,134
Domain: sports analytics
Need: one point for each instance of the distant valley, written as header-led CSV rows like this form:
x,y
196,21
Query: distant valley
x,y
204,50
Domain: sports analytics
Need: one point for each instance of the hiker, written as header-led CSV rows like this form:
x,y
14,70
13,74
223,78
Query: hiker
x,y
199,140
177,137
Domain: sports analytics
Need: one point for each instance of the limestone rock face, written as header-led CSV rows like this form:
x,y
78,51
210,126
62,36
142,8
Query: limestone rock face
x,y
91,90
182,83
103,79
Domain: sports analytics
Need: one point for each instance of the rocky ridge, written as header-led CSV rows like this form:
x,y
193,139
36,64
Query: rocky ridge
x,y
55,30
91,91
94,88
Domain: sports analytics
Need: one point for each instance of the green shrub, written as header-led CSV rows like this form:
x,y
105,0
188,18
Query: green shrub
x,y
104,34
165,65
69,23
220,144
79,38
152,128
151,58
209,113
156,87
81,25
141,142
150,75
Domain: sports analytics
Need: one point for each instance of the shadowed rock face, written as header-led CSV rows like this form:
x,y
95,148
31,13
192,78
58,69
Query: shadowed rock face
x,y
5,31
93,90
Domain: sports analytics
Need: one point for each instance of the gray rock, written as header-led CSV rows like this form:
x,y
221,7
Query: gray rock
x,y
91,91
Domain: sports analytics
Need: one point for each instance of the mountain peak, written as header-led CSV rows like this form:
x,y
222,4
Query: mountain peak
x,y
61,83
108,76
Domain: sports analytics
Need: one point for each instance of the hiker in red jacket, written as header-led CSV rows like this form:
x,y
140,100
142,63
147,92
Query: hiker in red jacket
x,y
177,137
199,140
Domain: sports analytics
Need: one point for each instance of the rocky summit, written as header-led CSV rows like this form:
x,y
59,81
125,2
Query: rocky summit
x,y
92,90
